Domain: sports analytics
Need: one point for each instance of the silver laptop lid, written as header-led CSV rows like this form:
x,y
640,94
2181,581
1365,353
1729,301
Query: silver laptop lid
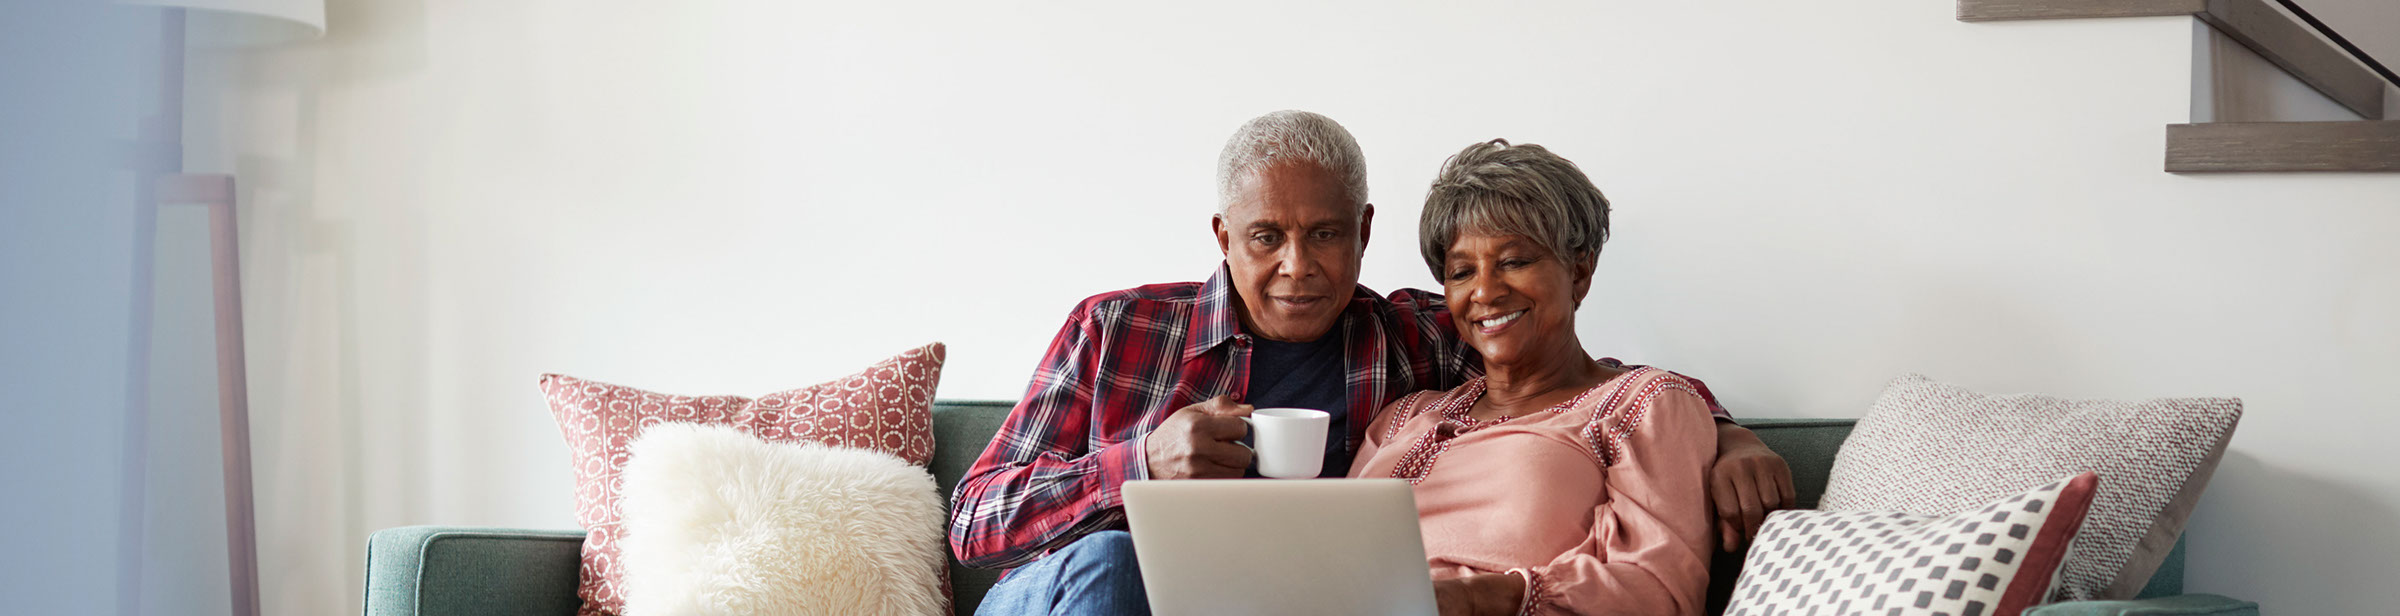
x,y
1246,546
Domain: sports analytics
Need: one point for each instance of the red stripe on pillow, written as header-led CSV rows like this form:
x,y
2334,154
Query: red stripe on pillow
x,y
2032,583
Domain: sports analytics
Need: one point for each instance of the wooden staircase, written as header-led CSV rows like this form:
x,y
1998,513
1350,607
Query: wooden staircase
x,y
2329,64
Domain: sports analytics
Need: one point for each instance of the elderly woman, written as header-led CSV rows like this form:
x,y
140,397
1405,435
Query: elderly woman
x,y
1556,483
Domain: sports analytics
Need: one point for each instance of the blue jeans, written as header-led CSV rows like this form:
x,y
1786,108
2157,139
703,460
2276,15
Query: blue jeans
x,y
1093,575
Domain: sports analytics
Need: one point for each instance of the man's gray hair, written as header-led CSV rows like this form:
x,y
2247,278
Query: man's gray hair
x,y
1287,136
1494,187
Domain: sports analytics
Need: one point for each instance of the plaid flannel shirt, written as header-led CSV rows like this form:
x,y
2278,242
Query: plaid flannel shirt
x,y
1127,359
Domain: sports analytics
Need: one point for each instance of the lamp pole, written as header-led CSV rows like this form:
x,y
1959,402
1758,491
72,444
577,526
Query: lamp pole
x,y
159,159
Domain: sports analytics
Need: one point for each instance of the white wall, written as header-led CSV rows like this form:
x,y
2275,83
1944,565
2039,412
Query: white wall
x,y
447,198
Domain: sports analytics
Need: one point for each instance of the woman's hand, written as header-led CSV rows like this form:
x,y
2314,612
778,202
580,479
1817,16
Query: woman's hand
x,y
1486,594
1748,481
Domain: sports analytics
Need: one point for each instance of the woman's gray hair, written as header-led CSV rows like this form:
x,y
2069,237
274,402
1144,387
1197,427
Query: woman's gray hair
x,y
1291,135
1494,187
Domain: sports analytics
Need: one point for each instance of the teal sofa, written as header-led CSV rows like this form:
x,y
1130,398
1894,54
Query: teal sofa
x,y
466,571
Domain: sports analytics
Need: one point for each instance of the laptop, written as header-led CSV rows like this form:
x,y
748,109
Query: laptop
x,y
1248,546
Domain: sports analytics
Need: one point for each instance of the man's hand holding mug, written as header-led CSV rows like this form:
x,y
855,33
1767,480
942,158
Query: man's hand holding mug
x,y
1201,441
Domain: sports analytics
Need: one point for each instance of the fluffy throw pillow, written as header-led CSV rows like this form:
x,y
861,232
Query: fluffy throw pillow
x,y
1993,561
888,408
1929,448
720,523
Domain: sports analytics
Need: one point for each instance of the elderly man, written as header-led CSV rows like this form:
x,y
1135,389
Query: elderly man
x,y
1150,382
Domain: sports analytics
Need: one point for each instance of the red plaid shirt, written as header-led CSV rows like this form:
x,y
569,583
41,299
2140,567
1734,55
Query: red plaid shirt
x,y
1127,359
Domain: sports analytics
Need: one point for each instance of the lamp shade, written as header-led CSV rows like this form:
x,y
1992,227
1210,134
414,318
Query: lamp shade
x,y
247,23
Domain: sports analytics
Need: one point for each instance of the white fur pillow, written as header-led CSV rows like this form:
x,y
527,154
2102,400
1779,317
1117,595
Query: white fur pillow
x,y
720,522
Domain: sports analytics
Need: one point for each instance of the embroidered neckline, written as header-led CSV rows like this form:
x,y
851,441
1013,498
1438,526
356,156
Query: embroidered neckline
x,y
1460,406
1455,422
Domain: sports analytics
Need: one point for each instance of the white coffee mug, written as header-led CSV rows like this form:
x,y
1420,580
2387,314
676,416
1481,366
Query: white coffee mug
x,y
1289,443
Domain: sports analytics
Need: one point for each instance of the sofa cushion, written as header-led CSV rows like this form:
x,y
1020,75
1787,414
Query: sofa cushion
x,y
1930,448
887,407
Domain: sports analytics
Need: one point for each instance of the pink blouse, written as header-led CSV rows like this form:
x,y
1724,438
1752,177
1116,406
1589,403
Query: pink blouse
x,y
1600,503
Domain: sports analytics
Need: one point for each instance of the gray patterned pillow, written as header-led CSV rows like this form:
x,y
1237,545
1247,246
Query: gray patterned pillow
x,y
1929,448
1994,561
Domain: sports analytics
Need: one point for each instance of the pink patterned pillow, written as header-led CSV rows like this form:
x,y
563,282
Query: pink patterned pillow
x,y
888,408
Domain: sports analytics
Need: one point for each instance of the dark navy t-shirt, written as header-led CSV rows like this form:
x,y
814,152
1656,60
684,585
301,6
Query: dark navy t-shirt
x,y
1305,375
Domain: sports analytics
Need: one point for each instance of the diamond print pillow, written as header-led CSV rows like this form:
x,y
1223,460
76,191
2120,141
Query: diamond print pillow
x,y
1993,561
1930,448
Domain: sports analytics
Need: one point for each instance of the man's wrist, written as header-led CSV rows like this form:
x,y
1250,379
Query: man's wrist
x,y
1731,436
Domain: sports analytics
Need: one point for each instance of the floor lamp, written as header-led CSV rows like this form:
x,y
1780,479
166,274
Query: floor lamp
x,y
217,24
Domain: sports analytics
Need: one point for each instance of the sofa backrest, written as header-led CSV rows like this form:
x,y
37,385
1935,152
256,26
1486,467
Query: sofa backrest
x,y
962,428
1808,446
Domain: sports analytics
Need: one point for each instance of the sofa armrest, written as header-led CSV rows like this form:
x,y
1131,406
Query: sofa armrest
x,y
2178,605
461,571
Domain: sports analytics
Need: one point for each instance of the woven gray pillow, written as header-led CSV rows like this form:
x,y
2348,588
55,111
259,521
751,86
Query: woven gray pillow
x,y
1929,448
